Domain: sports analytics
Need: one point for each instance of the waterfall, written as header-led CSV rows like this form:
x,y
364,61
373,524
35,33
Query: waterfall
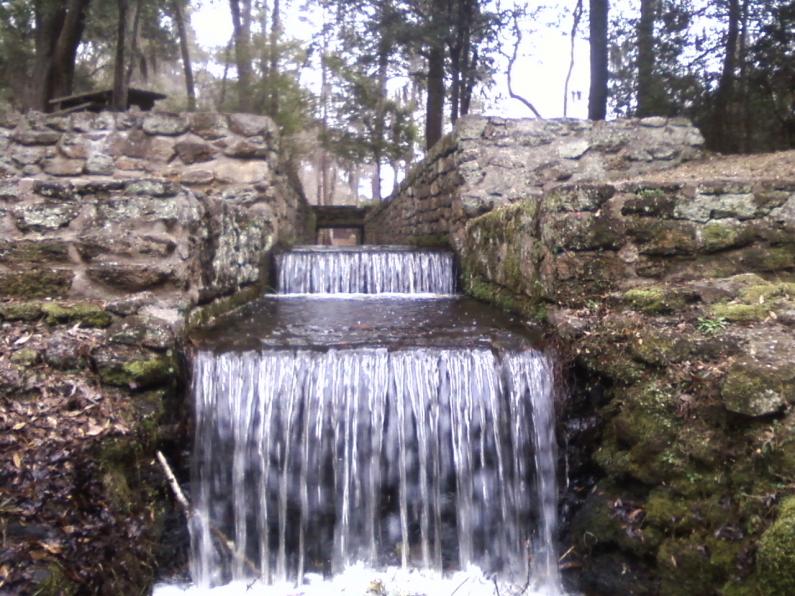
x,y
315,460
365,270
373,432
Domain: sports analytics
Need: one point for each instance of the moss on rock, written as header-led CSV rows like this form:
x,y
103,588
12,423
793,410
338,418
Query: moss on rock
x,y
776,557
139,372
21,311
739,313
36,283
88,315
754,390
654,300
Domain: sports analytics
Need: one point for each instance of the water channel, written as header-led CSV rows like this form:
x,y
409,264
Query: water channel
x,y
368,431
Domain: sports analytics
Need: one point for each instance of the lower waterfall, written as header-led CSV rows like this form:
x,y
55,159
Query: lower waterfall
x,y
366,431
311,461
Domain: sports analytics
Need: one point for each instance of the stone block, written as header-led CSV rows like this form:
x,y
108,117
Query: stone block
x,y
162,123
61,166
45,217
192,150
250,125
129,277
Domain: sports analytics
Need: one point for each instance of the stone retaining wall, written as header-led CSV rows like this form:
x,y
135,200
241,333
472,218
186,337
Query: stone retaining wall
x,y
183,206
488,162
677,301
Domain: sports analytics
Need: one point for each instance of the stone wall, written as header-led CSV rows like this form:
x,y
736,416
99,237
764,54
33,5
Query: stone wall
x,y
488,162
183,206
113,228
676,297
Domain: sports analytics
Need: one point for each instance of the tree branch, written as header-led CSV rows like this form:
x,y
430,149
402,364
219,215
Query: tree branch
x,y
511,61
577,15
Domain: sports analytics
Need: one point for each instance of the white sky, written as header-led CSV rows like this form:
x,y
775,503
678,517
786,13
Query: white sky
x,y
539,74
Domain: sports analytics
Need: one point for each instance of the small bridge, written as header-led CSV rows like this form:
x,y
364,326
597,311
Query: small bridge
x,y
340,217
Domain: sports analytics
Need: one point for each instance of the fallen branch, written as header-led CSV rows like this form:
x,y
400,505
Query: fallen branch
x,y
227,543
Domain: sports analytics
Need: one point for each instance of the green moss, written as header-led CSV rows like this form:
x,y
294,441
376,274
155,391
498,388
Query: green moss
x,y
740,313
615,462
504,298
140,373
25,357
718,236
36,251
21,311
88,315
659,348
667,512
754,391
764,293
776,556
36,283
654,300
430,241
695,564
205,315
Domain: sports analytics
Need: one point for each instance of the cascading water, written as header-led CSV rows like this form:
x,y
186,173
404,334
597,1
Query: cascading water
x,y
374,446
365,270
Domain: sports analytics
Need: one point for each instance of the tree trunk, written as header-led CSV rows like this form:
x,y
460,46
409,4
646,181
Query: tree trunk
x,y
646,57
273,71
190,89
721,136
241,26
434,106
134,54
59,30
597,95
119,79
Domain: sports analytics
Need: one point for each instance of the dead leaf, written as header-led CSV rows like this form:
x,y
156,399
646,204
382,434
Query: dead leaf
x,y
19,426
17,459
54,548
23,340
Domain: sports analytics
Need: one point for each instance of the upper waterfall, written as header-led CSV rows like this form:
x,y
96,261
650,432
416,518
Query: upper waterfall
x,y
365,270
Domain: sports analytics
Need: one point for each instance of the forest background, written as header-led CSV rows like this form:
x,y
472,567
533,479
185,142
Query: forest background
x,y
361,88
